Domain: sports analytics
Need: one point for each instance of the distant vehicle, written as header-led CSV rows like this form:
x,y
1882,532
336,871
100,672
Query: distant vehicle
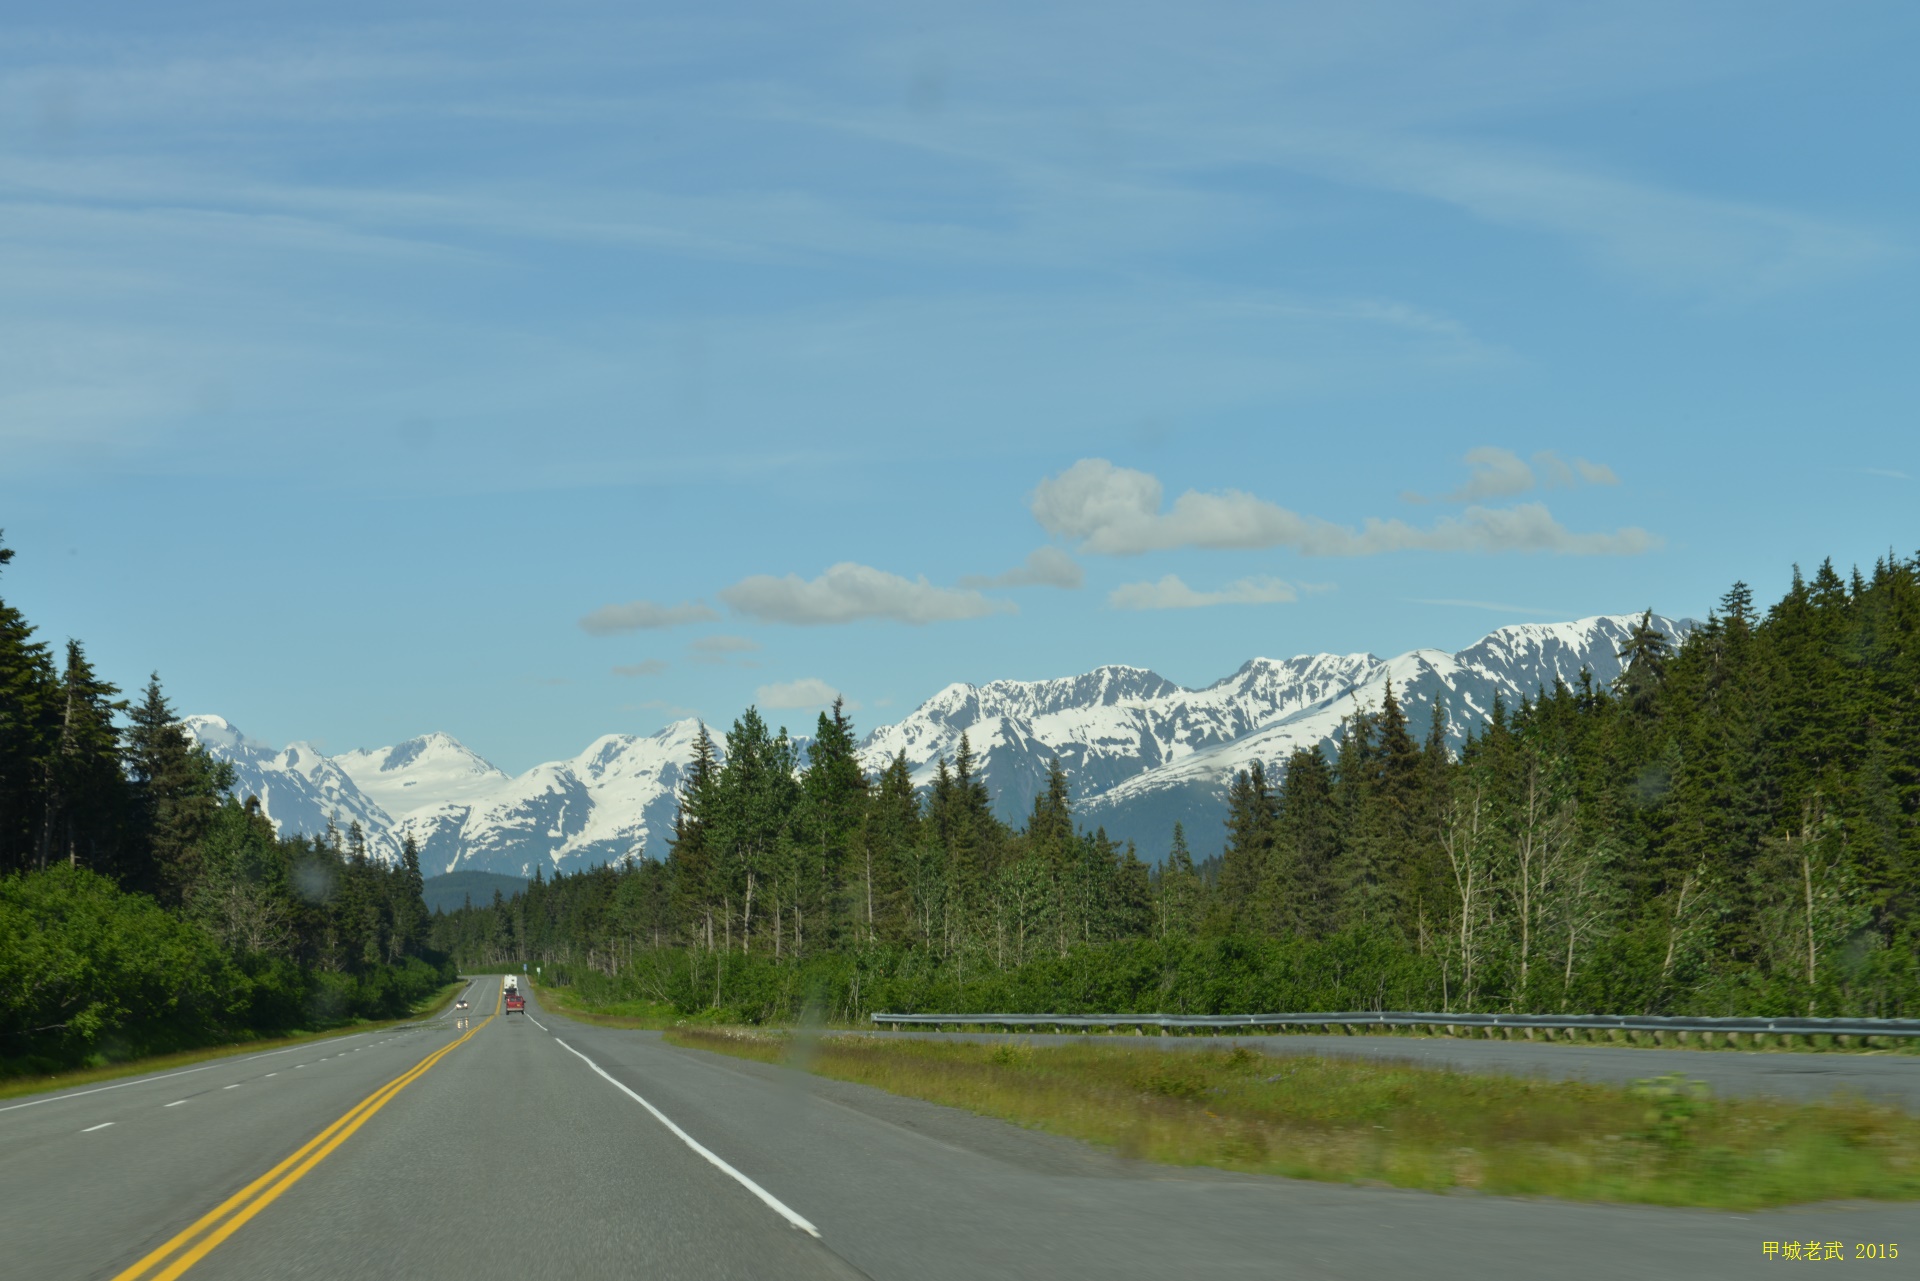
x,y
512,983
515,1001
460,1004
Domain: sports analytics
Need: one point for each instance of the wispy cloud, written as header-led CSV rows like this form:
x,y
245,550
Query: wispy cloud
x,y
1171,593
1595,473
1672,238
717,651
646,667
1044,567
850,592
1497,473
1117,511
645,615
1887,472
808,692
1501,473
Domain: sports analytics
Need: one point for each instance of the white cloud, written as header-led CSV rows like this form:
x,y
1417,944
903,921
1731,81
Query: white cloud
x,y
848,592
1496,473
1595,473
646,667
639,615
808,692
1552,470
1044,567
1116,511
1171,593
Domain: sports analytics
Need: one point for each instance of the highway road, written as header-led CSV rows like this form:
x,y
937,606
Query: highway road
x,y
534,1147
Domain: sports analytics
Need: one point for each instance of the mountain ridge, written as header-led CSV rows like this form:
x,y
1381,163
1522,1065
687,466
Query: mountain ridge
x,y
1142,752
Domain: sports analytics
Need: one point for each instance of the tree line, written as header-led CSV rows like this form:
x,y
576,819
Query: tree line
x,y
1729,827
144,907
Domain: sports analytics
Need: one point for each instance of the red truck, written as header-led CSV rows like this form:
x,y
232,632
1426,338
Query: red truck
x,y
515,1001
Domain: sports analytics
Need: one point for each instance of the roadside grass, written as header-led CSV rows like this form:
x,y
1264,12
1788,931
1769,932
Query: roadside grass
x,y
650,1016
1664,1141
14,1087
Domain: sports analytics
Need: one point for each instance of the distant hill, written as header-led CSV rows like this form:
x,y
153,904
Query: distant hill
x,y
445,893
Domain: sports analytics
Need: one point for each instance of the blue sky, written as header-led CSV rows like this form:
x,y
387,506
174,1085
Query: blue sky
x,y
533,372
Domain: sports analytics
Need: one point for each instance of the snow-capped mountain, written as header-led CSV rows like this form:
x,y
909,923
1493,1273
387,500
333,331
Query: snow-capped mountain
x,y
299,788
604,805
1141,751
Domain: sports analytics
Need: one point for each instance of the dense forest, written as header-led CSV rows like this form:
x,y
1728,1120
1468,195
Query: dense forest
x,y
144,908
1729,828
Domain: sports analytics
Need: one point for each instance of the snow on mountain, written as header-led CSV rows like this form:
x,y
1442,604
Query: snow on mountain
x,y
1142,752
606,804
434,769
299,788
1109,726
614,801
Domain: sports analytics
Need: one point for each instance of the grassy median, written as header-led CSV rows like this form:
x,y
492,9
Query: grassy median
x,y
1664,1141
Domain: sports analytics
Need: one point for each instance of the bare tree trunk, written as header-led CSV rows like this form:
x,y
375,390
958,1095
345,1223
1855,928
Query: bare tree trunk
x,y
1461,841
1806,879
1528,853
1673,930
869,865
746,916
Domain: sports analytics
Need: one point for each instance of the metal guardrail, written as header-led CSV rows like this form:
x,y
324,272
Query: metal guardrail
x,y
1349,1020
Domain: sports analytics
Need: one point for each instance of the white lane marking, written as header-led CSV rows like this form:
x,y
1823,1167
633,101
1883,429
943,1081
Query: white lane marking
x,y
120,1086
273,1074
234,1086
144,1080
773,1201
537,1023
298,1066
90,1129
176,1103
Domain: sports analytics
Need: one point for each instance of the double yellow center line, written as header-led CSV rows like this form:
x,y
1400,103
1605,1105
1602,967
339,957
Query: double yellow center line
x,y
216,1225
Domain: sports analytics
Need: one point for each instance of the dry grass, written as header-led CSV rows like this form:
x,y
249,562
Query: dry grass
x,y
1663,1141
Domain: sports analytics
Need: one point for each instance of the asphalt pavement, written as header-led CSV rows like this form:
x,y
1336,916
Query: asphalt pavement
x,y
529,1146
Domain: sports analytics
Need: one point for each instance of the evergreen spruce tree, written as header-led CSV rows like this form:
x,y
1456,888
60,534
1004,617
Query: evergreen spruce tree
x,y
1248,851
29,699
1643,665
1179,908
695,881
892,878
177,787
834,792
1307,845
85,793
